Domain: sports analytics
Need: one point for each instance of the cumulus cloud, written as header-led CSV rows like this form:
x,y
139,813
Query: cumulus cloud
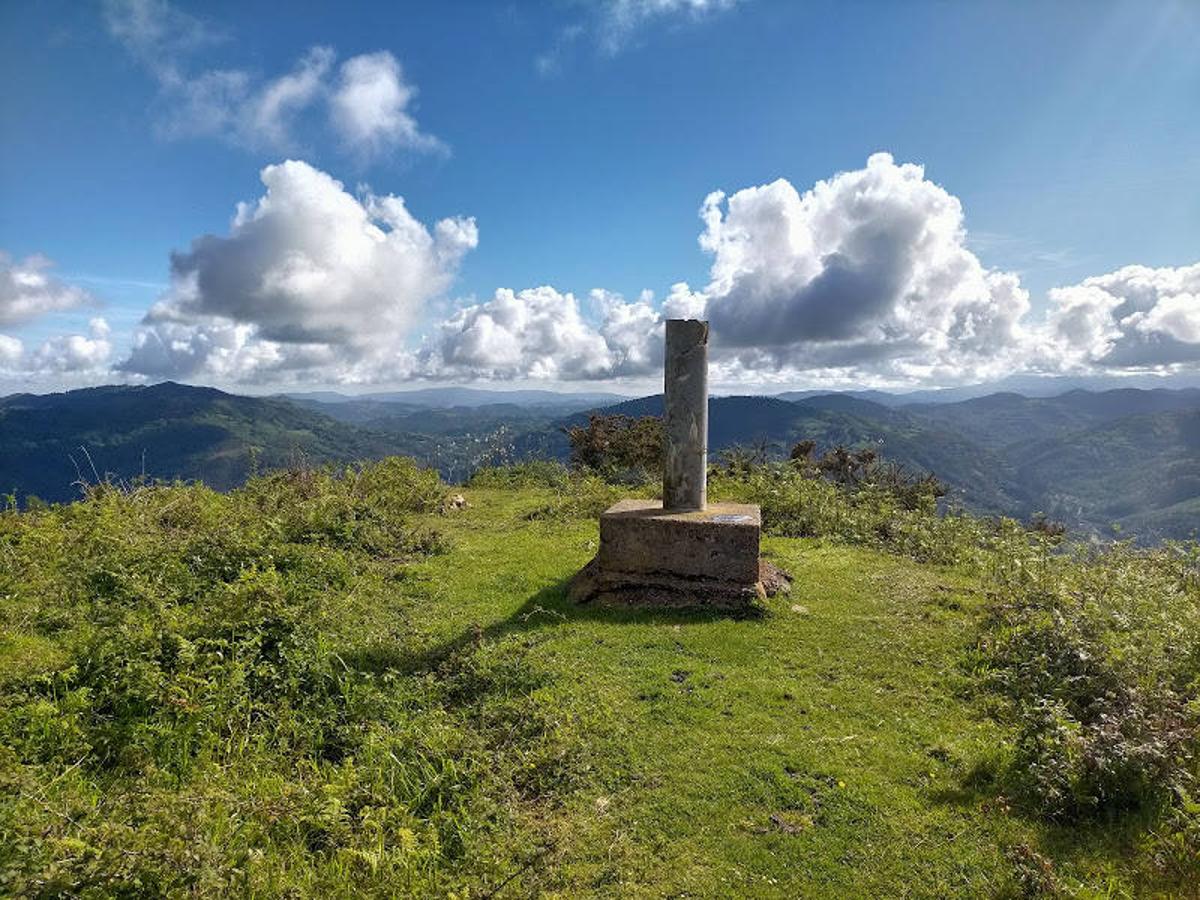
x,y
868,270
1135,318
68,354
368,106
11,351
684,303
542,333
309,278
232,105
28,290
865,278
75,352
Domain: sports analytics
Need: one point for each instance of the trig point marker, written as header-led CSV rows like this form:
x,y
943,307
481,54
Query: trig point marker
x,y
685,408
682,551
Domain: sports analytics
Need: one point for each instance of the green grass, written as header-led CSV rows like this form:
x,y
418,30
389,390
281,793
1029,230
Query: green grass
x,y
441,721
826,748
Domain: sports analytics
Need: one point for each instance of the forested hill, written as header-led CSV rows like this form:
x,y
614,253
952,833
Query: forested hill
x,y
978,478
1091,460
1129,458
49,442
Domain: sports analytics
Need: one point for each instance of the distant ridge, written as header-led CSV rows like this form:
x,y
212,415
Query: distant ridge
x,y
165,431
1092,459
446,397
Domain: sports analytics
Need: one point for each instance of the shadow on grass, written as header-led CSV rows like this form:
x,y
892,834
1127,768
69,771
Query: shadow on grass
x,y
548,608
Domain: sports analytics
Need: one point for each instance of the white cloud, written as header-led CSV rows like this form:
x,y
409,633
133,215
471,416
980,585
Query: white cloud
x,y
28,291
614,24
1135,318
309,279
684,303
230,104
75,352
540,333
156,34
11,351
69,354
369,106
269,114
620,19
865,272
865,278
206,105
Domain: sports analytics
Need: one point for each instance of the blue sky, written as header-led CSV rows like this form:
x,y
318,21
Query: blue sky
x,y
583,140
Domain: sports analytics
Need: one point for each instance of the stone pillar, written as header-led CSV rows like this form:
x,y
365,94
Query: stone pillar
x,y
685,402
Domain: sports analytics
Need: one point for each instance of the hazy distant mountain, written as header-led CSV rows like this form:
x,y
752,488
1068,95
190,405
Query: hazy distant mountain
x,y
1125,457
448,397
1002,420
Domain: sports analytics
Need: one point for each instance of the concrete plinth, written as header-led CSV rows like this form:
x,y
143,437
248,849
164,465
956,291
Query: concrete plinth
x,y
649,556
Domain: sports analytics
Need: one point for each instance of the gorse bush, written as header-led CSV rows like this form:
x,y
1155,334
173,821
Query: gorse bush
x,y
358,507
573,494
192,706
1098,661
620,448
583,496
796,501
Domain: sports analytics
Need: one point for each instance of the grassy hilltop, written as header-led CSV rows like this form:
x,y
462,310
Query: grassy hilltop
x,y
335,683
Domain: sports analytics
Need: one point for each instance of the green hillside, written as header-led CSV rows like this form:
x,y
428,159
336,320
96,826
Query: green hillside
x,y
1141,472
1005,420
1091,460
338,685
165,431
978,478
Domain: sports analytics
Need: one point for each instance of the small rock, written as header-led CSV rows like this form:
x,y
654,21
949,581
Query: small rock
x,y
773,579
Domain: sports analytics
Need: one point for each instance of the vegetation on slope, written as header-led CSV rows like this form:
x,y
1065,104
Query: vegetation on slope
x,y
48,444
336,683
1126,458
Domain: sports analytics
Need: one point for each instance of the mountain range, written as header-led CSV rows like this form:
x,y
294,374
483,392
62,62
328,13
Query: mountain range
x,y
1125,457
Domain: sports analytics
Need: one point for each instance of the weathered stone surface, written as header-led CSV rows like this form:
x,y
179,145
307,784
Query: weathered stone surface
x,y
653,557
685,414
773,579
719,542
593,584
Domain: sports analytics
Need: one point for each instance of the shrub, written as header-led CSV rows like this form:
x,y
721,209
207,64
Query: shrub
x,y
533,473
618,447
1099,669
583,497
201,711
902,517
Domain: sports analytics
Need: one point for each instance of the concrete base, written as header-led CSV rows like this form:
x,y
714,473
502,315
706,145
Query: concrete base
x,y
656,558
